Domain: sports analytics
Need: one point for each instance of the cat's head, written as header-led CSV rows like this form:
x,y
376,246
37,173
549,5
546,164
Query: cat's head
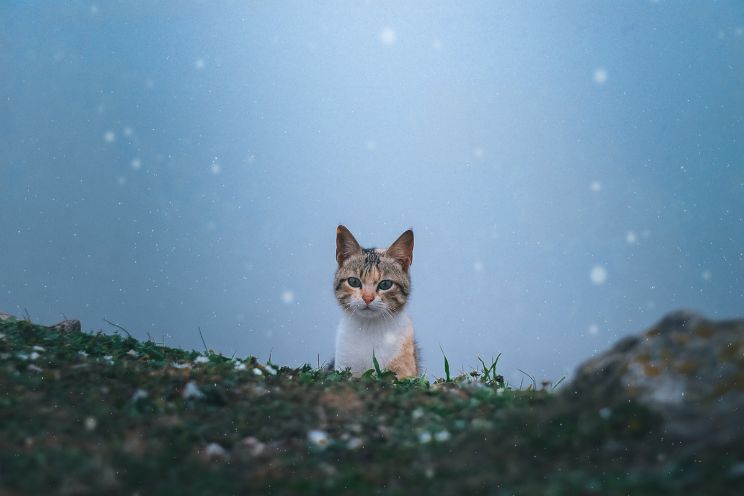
x,y
372,283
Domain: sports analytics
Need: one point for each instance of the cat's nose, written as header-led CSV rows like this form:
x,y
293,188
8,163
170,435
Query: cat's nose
x,y
368,298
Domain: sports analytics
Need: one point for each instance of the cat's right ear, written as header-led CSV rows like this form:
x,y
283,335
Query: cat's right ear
x,y
346,245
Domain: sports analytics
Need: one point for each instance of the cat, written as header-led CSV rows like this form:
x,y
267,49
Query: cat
x,y
372,286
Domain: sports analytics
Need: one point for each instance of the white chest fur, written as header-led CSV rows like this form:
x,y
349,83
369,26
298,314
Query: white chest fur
x,y
357,338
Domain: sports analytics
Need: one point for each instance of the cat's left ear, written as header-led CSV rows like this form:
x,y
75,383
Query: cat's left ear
x,y
402,250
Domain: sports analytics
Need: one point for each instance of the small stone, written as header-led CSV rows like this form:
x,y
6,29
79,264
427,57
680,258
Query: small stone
x,y
318,439
139,394
255,447
354,443
424,437
442,436
215,451
90,424
192,391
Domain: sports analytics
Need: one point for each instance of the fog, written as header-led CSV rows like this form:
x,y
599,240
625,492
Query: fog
x,y
572,170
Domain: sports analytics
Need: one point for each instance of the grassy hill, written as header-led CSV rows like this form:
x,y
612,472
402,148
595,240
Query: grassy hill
x,y
88,413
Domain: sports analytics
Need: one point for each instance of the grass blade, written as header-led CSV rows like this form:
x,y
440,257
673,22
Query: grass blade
x,y
559,382
376,364
446,365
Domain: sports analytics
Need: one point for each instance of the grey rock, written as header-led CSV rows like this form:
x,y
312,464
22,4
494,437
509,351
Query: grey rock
x,y
688,369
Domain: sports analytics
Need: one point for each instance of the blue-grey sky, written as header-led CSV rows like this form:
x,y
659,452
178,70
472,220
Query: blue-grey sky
x,y
572,170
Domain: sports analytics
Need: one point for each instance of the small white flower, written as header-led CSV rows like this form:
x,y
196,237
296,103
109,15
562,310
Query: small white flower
x,y
318,438
34,355
425,437
109,359
22,356
133,353
271,370
499,391
82,354
192,391
442,436
240,366
181,365
201,359
417,414
257,372
38,348
90,424
34,368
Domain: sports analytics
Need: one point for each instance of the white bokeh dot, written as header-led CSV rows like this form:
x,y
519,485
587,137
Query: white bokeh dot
x,y
600,76
387,36
598,275
287,297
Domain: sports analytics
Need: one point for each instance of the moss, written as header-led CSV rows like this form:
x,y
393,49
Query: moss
x,y
108,414
704,331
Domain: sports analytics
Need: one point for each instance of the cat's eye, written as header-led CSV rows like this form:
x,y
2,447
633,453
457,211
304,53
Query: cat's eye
x,y
354,282
386,284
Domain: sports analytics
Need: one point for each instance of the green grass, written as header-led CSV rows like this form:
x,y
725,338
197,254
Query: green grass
x,y
95,413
